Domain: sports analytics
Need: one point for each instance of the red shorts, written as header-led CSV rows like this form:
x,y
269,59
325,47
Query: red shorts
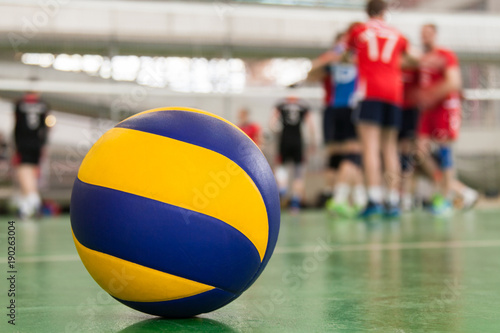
x,y
440,124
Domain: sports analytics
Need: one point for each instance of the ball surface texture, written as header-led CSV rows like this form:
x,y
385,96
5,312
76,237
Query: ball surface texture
x,y
175,212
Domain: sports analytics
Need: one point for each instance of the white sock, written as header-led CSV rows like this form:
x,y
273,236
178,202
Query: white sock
x,y
375,194
342,191
359,196
393,197
26,208
35,201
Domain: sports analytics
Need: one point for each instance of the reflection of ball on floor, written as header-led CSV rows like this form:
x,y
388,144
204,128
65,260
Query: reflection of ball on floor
x,y
175,212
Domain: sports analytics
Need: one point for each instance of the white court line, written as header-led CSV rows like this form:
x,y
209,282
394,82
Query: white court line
x,y
389,246
310,249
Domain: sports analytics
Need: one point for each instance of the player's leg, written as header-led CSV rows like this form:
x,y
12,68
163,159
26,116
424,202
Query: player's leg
x,y
392,169
424,159
407,147
391,125
26,173
352,154
369,119
297,186
445,131
469,195
333,159
298,178
349,170
369,135
339,205
331,151
281,172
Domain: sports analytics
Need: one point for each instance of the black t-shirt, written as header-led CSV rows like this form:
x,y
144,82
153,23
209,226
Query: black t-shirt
x,y
292,112
30,130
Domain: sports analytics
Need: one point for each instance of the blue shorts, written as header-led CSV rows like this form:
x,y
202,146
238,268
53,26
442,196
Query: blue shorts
x,y
379,113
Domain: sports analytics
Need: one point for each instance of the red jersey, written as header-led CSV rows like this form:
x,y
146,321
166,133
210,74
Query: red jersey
x,y
411,84
252,130
433,66
379,48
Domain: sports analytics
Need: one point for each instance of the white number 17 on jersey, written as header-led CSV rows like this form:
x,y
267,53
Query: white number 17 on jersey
x,y
374,54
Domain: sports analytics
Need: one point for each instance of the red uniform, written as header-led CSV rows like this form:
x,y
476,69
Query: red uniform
x,y
443,121
379,48
252,130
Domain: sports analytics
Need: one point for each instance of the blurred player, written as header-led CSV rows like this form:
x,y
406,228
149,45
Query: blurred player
x,y
408,133
440,84
250,128
379,50
4,163
30,135
340,133
318,73
290,114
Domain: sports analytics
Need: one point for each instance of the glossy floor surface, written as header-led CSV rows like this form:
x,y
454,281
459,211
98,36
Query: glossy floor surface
x,y
416,274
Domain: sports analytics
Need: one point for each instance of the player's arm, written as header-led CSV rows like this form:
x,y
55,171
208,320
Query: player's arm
x,y
434,95
317,71
411,57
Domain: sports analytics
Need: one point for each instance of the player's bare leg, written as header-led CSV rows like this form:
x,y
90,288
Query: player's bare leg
x,y
445,180
369,135
424,160
370,148
356,179
469,195
297,187
350,179
330,175
393,169
406,149
281,174
30,198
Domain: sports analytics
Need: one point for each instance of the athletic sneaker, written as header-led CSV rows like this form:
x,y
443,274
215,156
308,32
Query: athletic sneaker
x,y
340,209
371,210
441,206
470,198
392,211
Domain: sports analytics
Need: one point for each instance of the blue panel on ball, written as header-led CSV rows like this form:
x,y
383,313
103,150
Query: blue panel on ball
x,y
164,237
185,307
212,133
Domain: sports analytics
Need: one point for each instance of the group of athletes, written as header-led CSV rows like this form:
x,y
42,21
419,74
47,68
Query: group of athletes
x,y
390,111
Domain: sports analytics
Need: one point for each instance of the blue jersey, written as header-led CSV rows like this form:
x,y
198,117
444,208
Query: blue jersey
x,y
344,78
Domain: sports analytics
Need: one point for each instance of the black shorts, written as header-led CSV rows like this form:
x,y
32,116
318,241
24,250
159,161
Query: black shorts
x,y
28,155
379,113
290,152
328,130
409,124
338,125
343,125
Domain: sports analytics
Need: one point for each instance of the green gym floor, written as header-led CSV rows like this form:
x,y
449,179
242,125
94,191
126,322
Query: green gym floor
x,y
416,274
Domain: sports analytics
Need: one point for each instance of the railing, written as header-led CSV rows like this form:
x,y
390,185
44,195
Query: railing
x,y
351,4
